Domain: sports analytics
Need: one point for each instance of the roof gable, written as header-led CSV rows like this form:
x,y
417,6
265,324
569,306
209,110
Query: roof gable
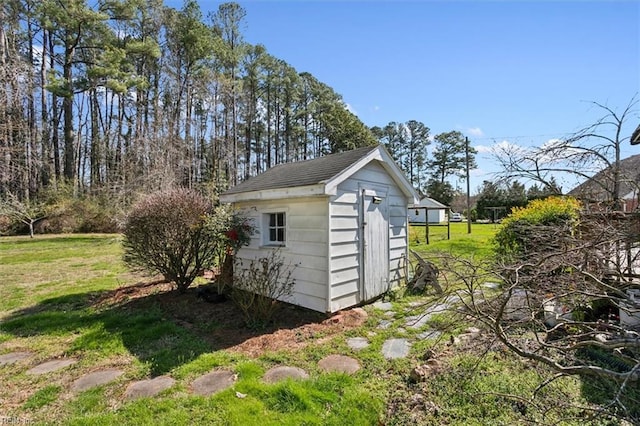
x,y
430,202
319,176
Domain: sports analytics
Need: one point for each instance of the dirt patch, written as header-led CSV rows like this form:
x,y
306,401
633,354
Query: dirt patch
x,y
222,324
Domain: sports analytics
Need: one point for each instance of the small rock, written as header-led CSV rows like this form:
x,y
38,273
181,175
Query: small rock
x,y
384,324
420,373
241,395
360,312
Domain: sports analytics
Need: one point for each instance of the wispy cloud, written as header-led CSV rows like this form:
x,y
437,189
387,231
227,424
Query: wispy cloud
x,y
475,131
504,146
350,108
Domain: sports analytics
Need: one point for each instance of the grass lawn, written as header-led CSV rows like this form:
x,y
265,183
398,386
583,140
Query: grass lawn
x,y
71,297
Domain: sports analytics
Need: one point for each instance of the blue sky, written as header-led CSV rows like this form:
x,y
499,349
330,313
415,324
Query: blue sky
x,y
522,72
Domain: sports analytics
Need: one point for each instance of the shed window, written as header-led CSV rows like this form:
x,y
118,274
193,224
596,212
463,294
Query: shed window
x,y
277,228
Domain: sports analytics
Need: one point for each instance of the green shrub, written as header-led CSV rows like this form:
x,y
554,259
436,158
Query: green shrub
x,y
534,226
166,233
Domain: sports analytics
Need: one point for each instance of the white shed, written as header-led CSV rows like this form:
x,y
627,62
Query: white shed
x,y
341,218
435,211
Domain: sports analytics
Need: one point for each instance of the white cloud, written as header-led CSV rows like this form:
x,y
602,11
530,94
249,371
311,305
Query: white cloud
x,y
475,131
350,109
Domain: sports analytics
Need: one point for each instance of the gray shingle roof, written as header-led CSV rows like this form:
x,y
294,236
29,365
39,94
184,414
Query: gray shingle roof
x,y
302,173
600,186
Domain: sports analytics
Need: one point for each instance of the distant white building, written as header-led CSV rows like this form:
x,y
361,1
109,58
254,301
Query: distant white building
x,y
435,211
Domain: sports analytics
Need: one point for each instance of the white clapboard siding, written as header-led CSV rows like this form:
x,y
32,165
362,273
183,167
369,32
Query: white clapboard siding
x,y
305,249
345,231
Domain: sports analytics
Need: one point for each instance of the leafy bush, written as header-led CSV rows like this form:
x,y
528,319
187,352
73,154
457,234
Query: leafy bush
x,y
233,231
258,288
534,226
166,233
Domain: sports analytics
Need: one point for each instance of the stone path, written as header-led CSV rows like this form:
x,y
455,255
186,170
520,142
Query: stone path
x,y
219,380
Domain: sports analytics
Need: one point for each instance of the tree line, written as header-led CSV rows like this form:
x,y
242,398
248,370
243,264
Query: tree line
x,y
130,96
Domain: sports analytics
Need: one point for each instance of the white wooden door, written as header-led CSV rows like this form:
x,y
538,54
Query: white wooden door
x,y
375,241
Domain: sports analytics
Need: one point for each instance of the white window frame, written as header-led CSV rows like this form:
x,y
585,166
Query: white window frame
x,y
267,228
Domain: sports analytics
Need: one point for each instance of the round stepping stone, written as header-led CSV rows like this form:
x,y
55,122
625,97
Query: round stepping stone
x,y
395,348
147,388
277,374
339,363
357,343
213,382
97,378
50,366
13,357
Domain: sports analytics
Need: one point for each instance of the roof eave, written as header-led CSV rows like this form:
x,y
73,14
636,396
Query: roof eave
x,y
275,194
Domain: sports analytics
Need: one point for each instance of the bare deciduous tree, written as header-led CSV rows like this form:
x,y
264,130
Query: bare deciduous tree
x,y
570,305
592,154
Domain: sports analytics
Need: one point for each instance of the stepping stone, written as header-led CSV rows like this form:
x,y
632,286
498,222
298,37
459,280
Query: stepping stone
x,y
213,382
339,364
277,374
389,314
395,348
384,306
50,366
97,378
357,343
384,324
147,388
429,335
13,357
417,321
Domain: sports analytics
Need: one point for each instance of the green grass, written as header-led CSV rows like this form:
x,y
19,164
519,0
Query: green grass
x,y
460,242
47,306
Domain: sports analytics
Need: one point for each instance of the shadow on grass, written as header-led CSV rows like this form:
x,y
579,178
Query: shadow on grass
x,y
605,392
162,328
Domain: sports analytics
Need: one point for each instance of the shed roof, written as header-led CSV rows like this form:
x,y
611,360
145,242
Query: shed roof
x,y
301,173
319,176
429,202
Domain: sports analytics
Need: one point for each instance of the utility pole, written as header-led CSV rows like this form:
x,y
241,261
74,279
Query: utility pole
x,y
466,154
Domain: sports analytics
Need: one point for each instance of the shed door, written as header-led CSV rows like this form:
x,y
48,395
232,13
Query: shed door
x,y
375,241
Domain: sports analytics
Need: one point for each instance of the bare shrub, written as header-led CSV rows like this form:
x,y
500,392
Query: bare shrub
x,y
166,233
258,288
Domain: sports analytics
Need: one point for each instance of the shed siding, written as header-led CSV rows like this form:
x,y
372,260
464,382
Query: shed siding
x,y
344,234
306,245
